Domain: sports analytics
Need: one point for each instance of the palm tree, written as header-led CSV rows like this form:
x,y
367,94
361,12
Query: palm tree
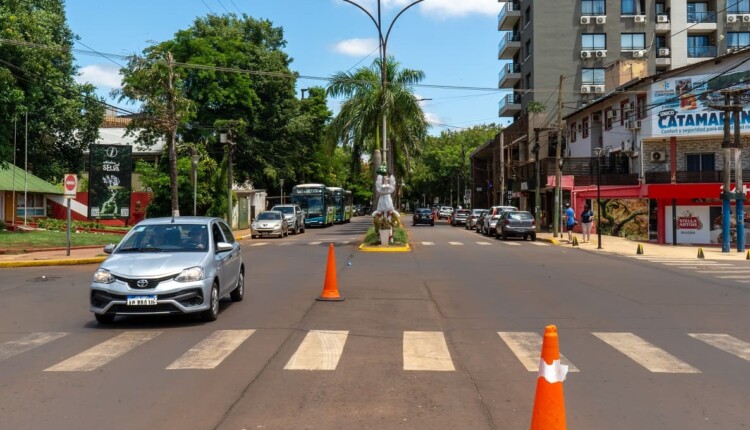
x,y
358,122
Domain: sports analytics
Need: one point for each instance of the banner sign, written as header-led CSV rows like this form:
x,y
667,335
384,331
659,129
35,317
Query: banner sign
x,y
682,104
110,169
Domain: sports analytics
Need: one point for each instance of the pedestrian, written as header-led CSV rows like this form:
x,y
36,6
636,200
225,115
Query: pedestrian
x,y
587,220
570,221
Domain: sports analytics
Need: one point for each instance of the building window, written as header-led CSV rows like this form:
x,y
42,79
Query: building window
x,y
608,118
32,206
593,41
698,47
701,162
698,12
527,48
527,16
592,76
594,7
641,105
736,40
528,84
632,41
585,128
738,6
661,42
624,111
631,7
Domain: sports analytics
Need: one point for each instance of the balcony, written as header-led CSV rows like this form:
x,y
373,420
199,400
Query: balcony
x,y
706,51
663,62
509,16
685,177
614,170
662,23
509,46
509,105
701,22
509,75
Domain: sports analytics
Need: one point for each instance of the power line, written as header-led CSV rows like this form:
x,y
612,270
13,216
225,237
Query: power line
x,y
222,5
209,7
235,6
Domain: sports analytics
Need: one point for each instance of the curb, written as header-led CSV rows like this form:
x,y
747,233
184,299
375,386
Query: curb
x,y
550,240
37,263
378,248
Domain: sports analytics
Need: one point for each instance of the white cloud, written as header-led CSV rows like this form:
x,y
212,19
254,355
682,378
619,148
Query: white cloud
x,y
356,47
100,75
433,118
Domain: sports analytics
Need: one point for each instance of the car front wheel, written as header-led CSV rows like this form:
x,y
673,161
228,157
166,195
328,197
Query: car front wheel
x,y
212,312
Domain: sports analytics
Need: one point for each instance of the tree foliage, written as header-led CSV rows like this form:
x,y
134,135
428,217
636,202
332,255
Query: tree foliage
x,y
38,79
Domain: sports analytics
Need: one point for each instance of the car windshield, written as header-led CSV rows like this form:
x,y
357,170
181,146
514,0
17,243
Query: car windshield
x,y
284,209
166,238
269,216
424,211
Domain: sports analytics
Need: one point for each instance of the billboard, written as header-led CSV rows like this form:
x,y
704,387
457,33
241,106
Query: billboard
x,y
681,105
110,169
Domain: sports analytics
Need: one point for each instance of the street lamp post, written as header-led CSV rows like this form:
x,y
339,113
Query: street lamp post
x,y
281,183
537,195
383,45
598,152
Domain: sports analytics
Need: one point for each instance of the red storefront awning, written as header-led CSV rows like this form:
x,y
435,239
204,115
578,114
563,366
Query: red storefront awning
x,y
687,191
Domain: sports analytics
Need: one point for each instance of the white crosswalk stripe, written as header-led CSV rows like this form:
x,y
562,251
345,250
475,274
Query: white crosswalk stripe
x,y
105,352
726,343
426,350
727,271
19,346
527,346
647,355
428,243
483,243
456,243
311,243
211,351
285,243
259,243
539,243
320,350
505,242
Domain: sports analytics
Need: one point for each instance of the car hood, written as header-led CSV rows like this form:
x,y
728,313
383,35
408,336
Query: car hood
x,y
152,264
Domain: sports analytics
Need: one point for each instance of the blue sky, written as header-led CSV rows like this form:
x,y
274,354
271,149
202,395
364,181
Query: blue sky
x,y
453,41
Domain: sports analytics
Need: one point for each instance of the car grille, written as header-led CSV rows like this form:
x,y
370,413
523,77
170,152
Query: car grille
x,y
192,297
160,308
150,283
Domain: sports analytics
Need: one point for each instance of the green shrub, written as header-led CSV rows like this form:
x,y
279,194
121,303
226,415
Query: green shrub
x,y
3,226
399,237
54,224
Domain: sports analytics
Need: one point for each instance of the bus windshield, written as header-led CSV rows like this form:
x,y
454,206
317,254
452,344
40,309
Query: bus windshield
x,y
314,206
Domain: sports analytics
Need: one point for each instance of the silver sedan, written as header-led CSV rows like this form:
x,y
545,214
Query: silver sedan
x,y
270,223
181,265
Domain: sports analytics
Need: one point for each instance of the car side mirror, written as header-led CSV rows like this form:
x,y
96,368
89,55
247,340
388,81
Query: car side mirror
x,y
109,248
224,247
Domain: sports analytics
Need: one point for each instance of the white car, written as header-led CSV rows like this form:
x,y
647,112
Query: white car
x,y
269,223
445,212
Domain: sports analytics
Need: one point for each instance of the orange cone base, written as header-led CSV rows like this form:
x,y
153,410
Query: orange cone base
x,y
330,299
549,406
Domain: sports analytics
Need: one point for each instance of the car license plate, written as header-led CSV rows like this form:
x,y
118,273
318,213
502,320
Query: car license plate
x,y
141,301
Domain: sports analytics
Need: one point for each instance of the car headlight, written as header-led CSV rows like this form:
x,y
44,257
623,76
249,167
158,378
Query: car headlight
x,y
103,276
190,275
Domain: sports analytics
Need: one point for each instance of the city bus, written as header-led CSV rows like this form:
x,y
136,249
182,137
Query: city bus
x,y
315,200
342,203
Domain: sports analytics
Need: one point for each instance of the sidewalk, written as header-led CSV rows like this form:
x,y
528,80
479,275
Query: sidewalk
x,y
622,246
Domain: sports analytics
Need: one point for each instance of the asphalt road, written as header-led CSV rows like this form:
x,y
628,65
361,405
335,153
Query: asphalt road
x,y
442,337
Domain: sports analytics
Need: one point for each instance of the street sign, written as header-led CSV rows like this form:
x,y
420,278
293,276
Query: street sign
x,y
70,185
467,193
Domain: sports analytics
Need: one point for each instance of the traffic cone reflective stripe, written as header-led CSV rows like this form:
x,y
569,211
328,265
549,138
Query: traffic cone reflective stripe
x,y
549,403
330,286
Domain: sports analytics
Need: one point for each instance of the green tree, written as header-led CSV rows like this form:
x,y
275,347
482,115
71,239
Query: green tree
x,y
444,162
37,77
358,123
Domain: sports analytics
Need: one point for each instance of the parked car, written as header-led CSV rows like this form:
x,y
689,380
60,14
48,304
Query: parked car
x,y
423,216
459,216
493,215
269,223
471,221
516,224
294,215
445,212
181,265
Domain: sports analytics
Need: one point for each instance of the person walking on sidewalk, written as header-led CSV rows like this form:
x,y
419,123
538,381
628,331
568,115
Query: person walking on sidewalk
x,y
570,221
587,220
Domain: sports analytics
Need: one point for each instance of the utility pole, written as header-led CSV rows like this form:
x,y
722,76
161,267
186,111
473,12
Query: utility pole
x,y
726,194
227,138
558,160
172,127
502,168
537,195
739,189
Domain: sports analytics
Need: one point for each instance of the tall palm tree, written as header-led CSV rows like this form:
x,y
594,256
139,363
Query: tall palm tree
x,y
358,122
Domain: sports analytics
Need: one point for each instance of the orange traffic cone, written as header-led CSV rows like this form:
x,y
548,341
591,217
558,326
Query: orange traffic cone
x,y
549,403
330,287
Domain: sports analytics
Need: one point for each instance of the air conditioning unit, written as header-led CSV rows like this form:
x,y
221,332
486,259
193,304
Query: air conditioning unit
x,y
611,114
586,54
664,52
597,88
658,157
585,89
732,18
662,18
745,18
585,20
639,19
639,54
601,20
633,124
601,53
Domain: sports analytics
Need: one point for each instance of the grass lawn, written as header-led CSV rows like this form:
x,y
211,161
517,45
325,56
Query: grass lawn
x,y
18,241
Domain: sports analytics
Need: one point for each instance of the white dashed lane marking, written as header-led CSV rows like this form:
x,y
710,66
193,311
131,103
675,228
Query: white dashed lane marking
x,y
211,351
101,354
320,350
456,243
726,343
14,347
428,243
647,355
426,350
